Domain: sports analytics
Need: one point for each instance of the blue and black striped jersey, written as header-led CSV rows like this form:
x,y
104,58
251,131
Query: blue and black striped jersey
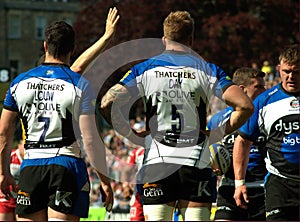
x,y
277,115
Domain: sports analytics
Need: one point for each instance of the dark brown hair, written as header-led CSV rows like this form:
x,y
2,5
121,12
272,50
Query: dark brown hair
x,y
60,38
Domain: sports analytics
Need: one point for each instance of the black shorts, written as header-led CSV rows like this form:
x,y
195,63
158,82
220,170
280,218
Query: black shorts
x,y
282,199
61,183
182,183
227,209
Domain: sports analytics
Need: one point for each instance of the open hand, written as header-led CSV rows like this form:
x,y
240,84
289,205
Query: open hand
x,y
111,22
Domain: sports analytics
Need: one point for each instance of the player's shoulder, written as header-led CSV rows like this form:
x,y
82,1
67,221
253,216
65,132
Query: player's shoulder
x,y
24,75
153,62
271,95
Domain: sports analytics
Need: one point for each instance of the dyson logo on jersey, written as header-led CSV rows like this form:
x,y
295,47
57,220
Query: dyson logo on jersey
x,y
152,190
287,127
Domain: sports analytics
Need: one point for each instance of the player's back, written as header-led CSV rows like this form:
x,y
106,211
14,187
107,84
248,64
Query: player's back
x,y
177,88
48,99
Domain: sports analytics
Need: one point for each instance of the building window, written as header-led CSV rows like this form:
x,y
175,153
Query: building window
x,y
14,27
40,24
14,68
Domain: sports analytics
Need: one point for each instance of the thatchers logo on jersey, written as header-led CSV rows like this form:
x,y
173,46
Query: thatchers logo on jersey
x,y
45,86
294,103
175,74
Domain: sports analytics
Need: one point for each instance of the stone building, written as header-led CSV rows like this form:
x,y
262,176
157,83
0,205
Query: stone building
x,y
22,24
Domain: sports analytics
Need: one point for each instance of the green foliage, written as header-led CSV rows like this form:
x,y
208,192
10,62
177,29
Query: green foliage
x,y
230,33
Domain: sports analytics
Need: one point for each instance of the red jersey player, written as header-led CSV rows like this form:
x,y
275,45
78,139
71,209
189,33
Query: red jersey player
x,y
136,208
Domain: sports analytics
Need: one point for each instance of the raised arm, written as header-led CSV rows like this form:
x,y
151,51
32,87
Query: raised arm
x,y
82,62
242,105
241,150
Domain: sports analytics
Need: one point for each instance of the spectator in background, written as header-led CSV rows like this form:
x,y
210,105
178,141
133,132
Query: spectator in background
x,y
266,67
268,70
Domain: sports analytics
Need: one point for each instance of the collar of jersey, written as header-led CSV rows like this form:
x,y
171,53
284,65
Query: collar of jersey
x,y
175,52
54,64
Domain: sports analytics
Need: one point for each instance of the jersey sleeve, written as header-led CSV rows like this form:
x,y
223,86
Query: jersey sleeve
x,y
223,80
9,101
88,98
129,80
219,118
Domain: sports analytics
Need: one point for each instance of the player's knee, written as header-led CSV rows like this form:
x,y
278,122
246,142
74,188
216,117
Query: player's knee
x,y
158,212
195,214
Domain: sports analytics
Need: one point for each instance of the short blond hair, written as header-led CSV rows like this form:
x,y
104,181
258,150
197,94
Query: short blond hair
x,y
179,26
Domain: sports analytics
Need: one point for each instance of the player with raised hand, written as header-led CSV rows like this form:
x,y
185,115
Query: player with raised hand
x,y
51,142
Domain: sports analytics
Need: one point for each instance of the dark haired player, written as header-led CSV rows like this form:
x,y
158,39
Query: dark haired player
x,y
251,81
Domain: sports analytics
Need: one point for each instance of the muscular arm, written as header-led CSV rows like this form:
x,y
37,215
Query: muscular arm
x,y
116,97
92,52
242,105
241,150
111,104
96,154
7,128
